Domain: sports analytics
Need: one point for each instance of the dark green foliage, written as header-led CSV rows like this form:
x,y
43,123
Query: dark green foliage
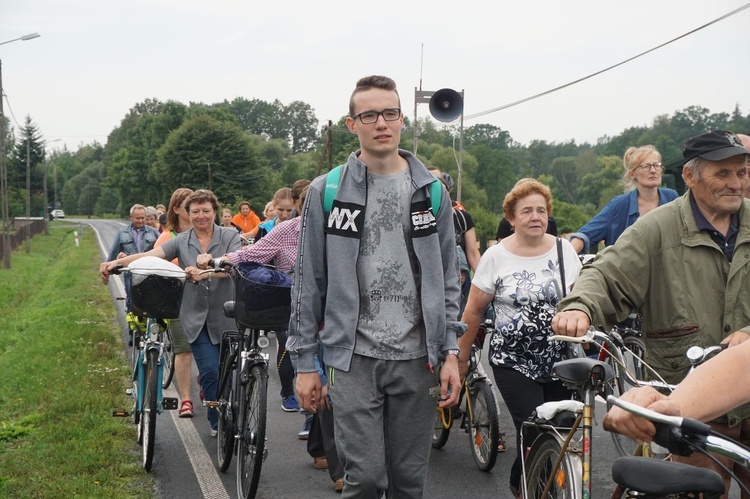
x,y
253,147
207,153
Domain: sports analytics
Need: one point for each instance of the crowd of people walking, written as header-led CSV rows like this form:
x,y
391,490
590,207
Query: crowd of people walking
x,y
379,336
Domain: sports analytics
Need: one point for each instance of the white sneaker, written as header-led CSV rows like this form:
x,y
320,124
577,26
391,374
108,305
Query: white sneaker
x,y
214,433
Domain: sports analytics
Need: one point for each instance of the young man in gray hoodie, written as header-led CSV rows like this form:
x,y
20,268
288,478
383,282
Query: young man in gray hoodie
x,y
376,283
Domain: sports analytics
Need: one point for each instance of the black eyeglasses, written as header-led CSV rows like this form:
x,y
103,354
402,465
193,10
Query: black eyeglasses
x,y
647,166
370,117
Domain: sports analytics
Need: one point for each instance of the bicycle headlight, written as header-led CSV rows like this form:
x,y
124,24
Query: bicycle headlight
x,y
263,341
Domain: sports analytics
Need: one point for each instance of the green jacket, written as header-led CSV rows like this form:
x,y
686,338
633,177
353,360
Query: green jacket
x,y
679,279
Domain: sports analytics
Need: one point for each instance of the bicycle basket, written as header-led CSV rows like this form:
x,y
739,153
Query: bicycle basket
x,y
156,288
263,297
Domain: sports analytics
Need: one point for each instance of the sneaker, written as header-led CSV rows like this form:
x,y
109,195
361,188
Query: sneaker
x,y
304,433
290,404
214,433
320,463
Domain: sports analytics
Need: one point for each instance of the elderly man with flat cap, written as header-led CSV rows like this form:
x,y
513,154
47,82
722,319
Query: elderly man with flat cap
x,y
685,266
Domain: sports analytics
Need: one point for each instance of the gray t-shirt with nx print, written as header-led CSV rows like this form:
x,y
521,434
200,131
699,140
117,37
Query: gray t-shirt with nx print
x,y
390,314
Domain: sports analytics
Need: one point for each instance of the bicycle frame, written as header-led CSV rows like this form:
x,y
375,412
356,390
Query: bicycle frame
x,y
154,334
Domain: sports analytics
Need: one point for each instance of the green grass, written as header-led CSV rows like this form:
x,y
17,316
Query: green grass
x,y
62,373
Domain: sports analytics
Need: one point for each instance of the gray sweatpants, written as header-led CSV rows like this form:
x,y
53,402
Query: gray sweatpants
x,y
383,419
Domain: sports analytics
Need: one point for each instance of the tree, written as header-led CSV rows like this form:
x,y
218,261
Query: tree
x,y
28,136
303,126
206,153
82,192
130,170
487,135
599,187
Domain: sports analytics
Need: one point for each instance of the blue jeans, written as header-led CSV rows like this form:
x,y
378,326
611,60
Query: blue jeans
x,y
206,356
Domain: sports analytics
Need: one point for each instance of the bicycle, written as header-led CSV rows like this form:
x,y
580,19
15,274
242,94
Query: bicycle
x,y
654,479
137,329
156,293
480,417
560,455
623,349
243,371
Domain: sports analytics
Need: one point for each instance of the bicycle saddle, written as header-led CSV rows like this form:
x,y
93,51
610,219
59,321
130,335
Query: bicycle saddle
x,y
229,309
653,476
579,371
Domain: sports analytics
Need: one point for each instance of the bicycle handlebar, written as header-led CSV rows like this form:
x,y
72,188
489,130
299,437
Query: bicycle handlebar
x,y
220,264
682,435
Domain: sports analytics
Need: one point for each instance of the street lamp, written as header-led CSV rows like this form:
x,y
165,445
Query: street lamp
x,y
46,200
3,165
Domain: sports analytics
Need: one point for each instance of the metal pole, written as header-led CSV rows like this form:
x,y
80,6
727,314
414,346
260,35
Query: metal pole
x,y
28,192
4,179
416,124
46,200
460,153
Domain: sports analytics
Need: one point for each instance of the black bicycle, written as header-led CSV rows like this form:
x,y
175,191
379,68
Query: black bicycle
x,y
480,416
262,303
655,479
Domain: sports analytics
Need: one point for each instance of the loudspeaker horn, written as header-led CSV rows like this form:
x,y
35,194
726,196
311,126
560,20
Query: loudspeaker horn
x,y
446,104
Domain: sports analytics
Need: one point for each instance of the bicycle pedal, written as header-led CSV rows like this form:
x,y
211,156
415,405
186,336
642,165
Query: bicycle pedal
x,y
210,403
120,414
169,403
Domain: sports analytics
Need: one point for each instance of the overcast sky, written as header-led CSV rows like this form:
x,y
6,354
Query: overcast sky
x,y
96,59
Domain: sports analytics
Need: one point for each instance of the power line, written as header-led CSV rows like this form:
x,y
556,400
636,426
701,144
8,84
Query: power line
x,y
506,106
11,110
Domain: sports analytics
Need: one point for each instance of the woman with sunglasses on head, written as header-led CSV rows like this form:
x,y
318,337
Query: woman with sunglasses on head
x,y
642,178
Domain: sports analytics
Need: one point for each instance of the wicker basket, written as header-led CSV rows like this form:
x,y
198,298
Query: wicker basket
x,y
262,305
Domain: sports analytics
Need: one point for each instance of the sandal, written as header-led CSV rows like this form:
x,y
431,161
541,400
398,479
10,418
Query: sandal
x,y
186,409
501,443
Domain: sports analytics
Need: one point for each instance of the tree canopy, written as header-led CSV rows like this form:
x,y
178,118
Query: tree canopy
x,y
248,148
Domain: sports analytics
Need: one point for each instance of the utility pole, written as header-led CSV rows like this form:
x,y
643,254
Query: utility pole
x,y
46,200
28,193
4,179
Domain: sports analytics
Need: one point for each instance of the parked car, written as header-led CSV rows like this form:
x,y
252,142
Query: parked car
x,y
58,214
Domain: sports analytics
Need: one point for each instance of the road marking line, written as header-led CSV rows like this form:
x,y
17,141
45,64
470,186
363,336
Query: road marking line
x,y
204,470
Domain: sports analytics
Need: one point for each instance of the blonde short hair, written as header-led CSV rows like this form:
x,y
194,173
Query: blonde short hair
x,y
632,159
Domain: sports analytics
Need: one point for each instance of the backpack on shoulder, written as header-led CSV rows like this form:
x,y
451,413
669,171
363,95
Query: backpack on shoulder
x,y
333,178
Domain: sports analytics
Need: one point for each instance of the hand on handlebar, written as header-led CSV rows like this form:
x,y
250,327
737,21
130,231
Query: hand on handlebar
x,y
635,427
105,270
203,261
194,274
736,338
571,323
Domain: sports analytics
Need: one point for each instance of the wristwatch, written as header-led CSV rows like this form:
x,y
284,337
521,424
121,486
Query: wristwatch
x,y
452,351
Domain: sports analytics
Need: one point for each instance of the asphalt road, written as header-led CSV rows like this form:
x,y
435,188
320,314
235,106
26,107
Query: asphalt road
x,y
185,461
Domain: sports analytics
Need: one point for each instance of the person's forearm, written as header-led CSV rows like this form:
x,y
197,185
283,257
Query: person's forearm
x,y
716,387
577,244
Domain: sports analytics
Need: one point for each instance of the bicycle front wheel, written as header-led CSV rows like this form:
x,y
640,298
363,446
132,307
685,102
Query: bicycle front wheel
x,y
148,418
225,435
252,442
442,428
634,364
484,431
168,359
565,481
